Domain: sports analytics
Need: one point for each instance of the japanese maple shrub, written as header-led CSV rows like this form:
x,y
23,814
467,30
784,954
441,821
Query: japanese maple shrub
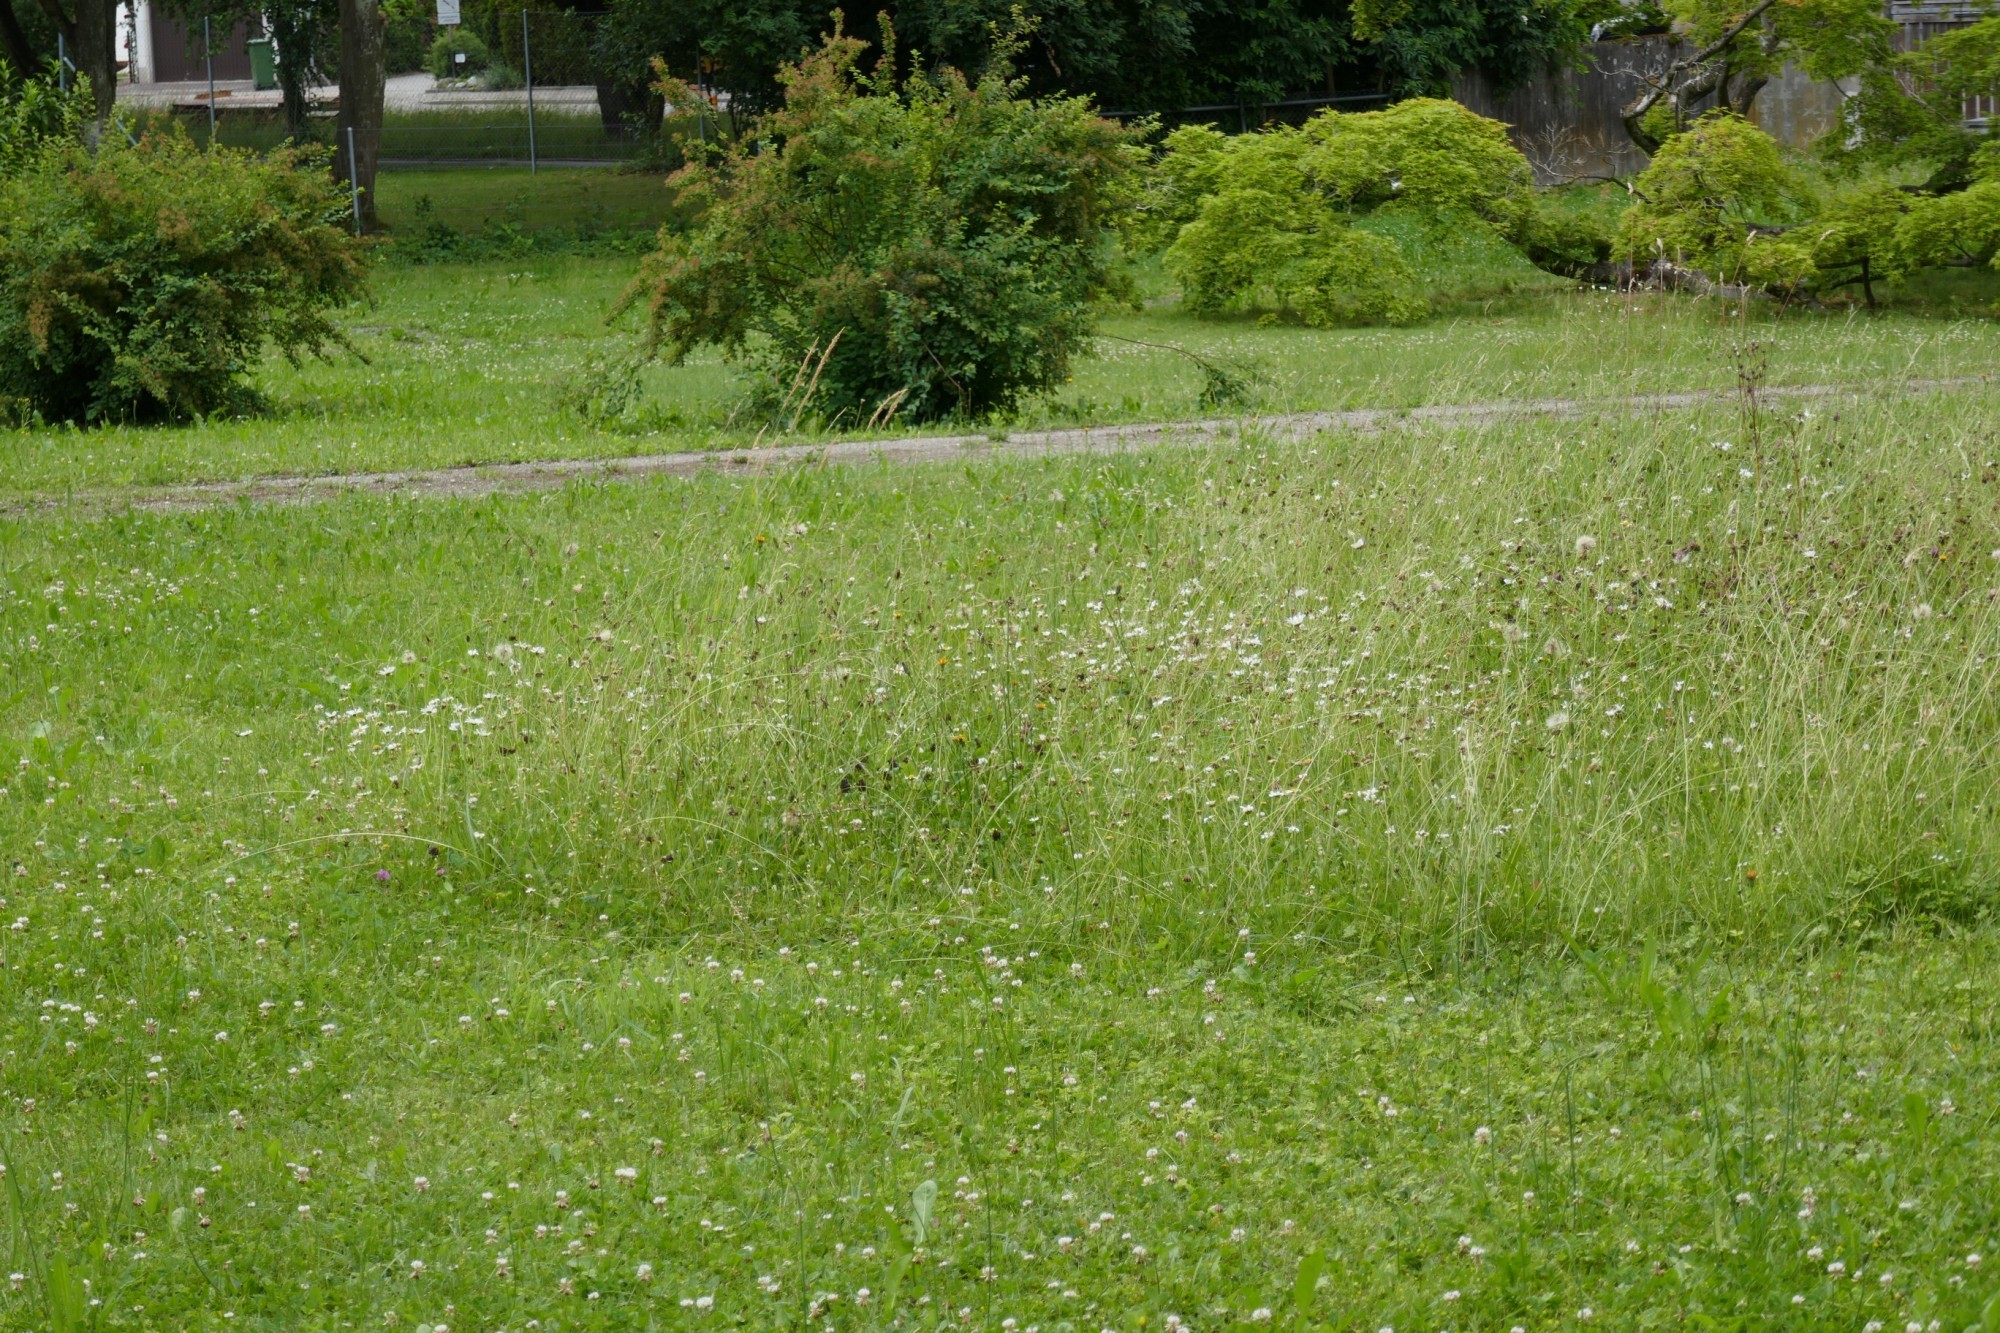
x,y
880,247
1269,219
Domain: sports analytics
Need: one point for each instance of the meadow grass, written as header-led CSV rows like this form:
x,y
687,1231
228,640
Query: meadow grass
x,y
498,362
1532,873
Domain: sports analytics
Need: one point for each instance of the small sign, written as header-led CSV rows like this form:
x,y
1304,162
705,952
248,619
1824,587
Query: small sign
x,y
447,12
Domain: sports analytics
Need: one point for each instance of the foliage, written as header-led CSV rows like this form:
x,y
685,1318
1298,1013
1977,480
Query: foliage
x,y
1269,218
1430,155
145,279
1133,55
1858,229
407,29
1718,198
1722,198
1911,112
1417,46
917,249
1571,241
1248,244
1962,227
1260,232
442,60
34,111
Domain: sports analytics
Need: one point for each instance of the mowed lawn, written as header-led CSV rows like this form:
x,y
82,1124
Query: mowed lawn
x,y
1540,874
512,359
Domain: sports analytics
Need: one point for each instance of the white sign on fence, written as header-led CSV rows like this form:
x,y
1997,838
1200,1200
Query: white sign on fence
x,y
447,12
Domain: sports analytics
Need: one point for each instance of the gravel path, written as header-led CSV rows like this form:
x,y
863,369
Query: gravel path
x,y
486,479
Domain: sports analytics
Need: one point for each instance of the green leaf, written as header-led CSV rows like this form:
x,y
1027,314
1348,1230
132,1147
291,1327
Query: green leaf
x,y
922,1201
1310,1269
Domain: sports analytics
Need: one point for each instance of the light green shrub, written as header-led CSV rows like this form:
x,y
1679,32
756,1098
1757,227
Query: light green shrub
x,y
1426,154
1720,198
1267,219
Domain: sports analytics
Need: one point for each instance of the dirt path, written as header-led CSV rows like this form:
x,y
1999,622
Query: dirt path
x,y
485,479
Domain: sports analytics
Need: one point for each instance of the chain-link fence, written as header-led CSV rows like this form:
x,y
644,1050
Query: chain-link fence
x,y
528,88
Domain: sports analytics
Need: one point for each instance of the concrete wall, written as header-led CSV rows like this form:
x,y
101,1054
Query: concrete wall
x,y
1567,122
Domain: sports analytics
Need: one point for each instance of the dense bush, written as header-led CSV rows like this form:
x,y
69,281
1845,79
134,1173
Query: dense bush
x,y
450,43
1269,218
918,249
1722,198
1260,233
143,280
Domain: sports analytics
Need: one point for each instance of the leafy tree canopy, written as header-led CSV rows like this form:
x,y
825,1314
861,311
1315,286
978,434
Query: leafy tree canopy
x,y
1732,51
1909,111
1139,55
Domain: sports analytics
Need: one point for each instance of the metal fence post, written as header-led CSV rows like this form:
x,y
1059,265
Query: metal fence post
x,y
528,79
354,179
208,55
62,63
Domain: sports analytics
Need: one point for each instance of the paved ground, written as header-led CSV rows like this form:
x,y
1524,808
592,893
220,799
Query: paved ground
x,y
403,92
537,476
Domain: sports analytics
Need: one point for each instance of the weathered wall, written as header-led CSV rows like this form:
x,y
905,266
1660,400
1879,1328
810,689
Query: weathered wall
x,y
1567,122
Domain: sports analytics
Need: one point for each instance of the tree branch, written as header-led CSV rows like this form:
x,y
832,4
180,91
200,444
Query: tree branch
x,y
1673,82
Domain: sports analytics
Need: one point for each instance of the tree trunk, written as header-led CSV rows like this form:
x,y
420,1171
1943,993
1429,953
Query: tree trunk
x,y
96,53
92,37
363,76
14,44
292,31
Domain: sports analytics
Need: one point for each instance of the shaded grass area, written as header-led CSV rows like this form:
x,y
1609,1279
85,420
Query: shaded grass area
x,y
479,199
1545,870
512,360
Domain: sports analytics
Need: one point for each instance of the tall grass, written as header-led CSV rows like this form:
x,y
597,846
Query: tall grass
x,y
1702,675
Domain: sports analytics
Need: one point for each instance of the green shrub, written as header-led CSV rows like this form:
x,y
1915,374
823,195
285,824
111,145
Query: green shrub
x,y
1267,219
1568,241
918,249
501,75
450,43
1249,245
33,111
1720,198
1427,154
406,45
143,280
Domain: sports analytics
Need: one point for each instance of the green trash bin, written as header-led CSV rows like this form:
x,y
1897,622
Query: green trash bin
x,y
263,63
